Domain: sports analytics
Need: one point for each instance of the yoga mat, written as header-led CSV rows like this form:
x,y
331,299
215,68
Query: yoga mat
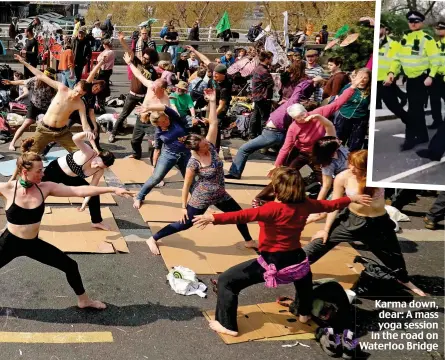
x,y
7,168
71,231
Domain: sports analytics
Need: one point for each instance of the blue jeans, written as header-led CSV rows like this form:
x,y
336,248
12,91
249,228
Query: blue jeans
x,y
66,79
267,138
166,161
173,50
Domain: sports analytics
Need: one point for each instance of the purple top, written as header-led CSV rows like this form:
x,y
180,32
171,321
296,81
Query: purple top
x,y
279,117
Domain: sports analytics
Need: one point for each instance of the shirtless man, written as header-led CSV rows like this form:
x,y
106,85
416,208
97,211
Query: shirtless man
x,y
54,124
155,95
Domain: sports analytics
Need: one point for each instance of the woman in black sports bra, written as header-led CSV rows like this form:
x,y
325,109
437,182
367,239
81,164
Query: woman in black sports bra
x,y
73,169
25,205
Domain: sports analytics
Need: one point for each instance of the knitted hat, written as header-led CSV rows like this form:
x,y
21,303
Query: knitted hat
x,y
220,69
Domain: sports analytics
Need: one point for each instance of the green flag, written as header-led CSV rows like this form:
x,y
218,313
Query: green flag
x,y
223,24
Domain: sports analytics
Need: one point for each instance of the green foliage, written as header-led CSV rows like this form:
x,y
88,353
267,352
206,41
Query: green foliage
x,y
357,54
397,23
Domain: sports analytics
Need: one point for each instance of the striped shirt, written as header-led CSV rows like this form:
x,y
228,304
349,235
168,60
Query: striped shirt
x,y
317,70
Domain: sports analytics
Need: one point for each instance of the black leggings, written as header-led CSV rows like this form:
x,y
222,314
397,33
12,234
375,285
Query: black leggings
x,y
239,277
12,247
225,206
54,173
377,233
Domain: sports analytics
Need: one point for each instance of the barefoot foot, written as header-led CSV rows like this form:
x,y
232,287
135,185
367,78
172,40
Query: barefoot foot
x,y
413,288
304,318
153,246
216,326
101,226
137,204
252,244
94,304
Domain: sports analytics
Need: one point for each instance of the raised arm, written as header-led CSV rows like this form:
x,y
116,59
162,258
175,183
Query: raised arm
x,y
136,72
124,44
41,76
210,96
200,56
95,70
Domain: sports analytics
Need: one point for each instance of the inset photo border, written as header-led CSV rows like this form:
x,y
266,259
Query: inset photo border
x,y
407,128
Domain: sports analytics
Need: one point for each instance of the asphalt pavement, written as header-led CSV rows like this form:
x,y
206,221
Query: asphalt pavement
x,y
390,165
148,320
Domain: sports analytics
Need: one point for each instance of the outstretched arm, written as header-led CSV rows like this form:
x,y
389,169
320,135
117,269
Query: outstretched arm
x,y
41,76
200,56
60,190
136,72
95,70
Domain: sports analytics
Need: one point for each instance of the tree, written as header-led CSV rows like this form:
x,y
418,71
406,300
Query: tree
x,y
182,13
333,14
357,54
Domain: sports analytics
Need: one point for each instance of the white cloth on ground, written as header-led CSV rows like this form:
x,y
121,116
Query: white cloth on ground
x,y
183,281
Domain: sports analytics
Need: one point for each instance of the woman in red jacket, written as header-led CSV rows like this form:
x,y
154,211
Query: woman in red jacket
x,y
282,260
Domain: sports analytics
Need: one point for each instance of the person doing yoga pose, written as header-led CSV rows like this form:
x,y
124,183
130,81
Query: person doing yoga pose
x,y
370,225
281,223
209,189
73,168
25,206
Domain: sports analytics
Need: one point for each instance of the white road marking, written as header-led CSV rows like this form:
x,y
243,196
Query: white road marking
x,y
413,171
402,136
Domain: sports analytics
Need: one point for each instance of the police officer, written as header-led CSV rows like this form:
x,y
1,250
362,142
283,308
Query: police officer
x,y
419,56
438,88
387,50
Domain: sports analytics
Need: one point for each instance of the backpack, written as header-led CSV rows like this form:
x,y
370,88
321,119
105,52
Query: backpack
x,y
330,303
195,94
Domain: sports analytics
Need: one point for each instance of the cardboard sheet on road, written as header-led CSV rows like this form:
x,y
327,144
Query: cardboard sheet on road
x,y
217,248
264,321
164,205
210,251
131,171
255,173
71,231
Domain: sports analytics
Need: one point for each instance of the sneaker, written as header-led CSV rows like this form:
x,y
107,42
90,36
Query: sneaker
x,y
161,184
349,345
429,224
112,139
329,341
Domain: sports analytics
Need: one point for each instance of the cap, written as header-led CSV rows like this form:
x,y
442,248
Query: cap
x,y
440,25
311,52
415,17
220,69
182,85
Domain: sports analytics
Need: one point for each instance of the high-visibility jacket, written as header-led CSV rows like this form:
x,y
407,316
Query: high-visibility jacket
x,y
417,53
387,51
441,47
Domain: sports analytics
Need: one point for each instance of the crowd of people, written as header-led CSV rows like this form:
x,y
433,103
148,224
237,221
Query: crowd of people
x,y
318,117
